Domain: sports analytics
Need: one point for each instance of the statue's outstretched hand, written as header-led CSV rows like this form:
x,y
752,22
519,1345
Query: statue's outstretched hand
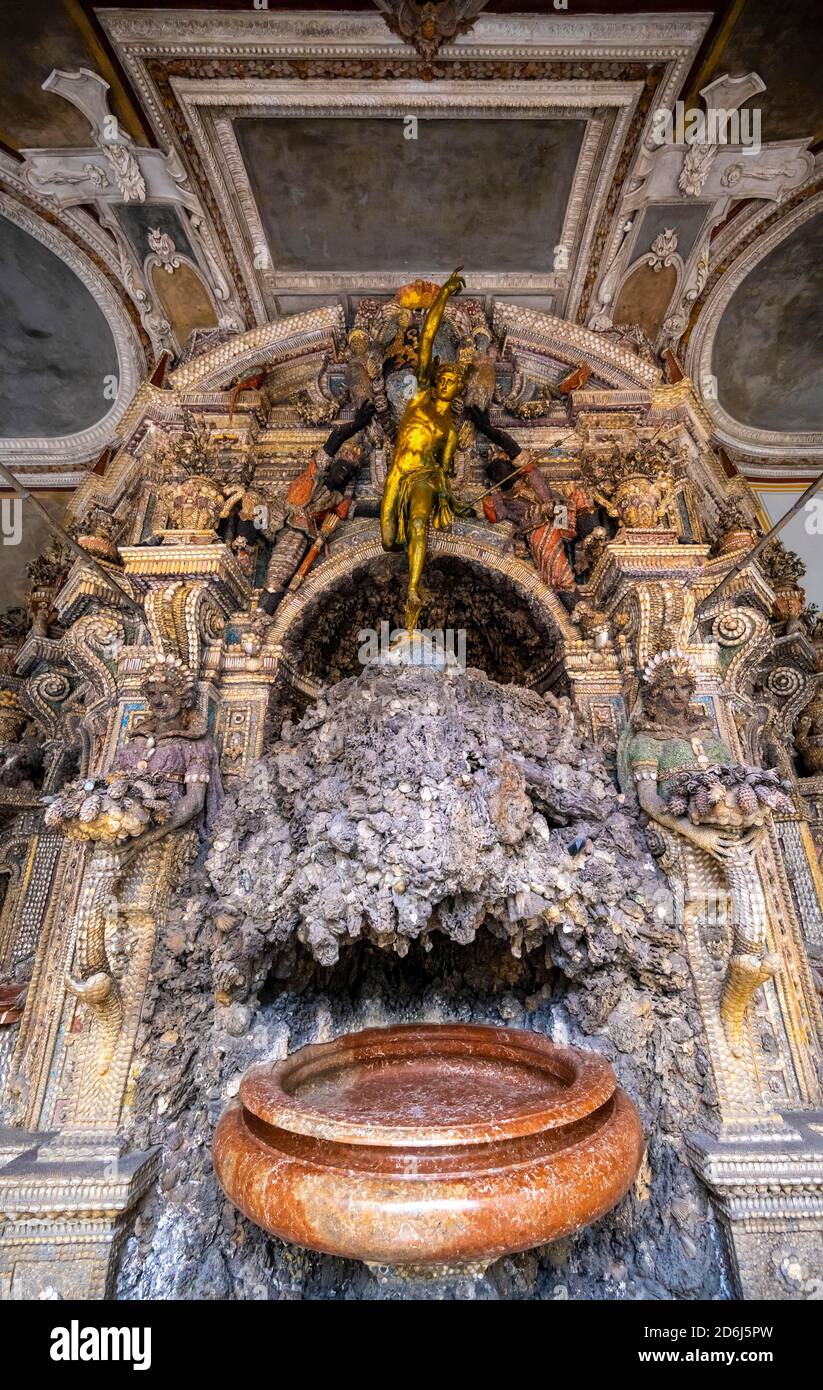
x,y
364,414
455,282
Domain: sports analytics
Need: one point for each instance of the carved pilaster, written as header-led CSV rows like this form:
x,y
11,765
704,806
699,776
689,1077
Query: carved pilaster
x,y
189,590
117,921
63,1222
769,1196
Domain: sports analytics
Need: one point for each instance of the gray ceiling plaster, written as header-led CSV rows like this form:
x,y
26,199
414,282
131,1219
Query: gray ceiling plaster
x,y
782,45
57,346
339,194
768,350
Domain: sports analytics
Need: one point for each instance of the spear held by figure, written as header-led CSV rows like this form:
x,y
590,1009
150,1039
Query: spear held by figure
x,y
524,468
511,448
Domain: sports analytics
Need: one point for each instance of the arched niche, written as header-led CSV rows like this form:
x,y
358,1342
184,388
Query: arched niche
x,y
74,359
755,351
514,625
645,296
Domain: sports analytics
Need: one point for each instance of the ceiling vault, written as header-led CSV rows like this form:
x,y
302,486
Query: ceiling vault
x,y
242,166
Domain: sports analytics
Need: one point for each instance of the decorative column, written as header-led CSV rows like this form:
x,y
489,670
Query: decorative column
x,y
717,826
127,822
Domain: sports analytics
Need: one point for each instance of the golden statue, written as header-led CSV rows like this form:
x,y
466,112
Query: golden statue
x,y
416,488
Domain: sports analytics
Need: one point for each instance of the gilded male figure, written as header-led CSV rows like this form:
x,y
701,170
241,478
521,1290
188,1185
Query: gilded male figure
x,y
417,488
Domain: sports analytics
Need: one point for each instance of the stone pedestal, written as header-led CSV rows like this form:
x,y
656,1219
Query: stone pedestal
x,y
63,1219
768,1192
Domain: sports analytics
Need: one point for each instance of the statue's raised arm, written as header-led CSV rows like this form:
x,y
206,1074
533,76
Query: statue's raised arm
x,y
453,285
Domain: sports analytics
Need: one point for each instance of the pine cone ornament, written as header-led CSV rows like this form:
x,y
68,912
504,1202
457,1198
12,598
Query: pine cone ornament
x,y
90,808
107,812
724,795
747,802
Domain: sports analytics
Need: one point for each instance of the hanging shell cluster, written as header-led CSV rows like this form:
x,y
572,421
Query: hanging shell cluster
x,y
406,804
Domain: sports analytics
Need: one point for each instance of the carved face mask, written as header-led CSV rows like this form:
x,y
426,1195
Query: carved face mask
x,y
676,694
165,703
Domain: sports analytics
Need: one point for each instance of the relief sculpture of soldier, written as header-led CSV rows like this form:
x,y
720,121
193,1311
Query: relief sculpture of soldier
x,y
546,521
302,521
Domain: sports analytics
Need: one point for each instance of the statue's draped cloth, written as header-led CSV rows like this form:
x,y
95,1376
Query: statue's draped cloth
x,y
446,505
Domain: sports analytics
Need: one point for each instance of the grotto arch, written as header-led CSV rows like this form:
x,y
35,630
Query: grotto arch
x,y
461,556
420,848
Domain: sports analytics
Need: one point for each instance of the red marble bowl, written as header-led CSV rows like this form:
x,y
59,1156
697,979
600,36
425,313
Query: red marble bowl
x,y
429,1144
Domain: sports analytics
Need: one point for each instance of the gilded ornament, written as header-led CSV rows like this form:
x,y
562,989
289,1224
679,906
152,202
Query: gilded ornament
x,y
636,484
417,489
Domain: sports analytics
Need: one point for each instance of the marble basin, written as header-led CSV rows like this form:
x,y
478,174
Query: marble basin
x,y
428,1145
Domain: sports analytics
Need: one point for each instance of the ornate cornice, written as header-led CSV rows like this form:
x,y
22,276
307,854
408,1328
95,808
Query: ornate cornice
x,y
298,34
272,342
541,332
